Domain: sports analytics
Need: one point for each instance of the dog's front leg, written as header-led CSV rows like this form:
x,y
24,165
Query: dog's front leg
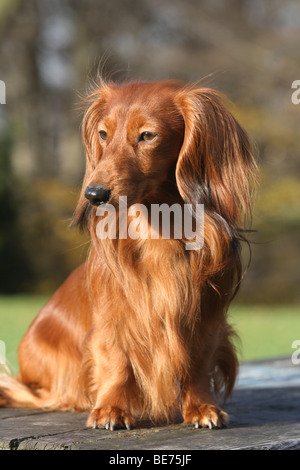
x,y
198,404
112,387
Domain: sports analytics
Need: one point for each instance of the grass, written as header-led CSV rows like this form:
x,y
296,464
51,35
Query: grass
x,y
16,314
265,331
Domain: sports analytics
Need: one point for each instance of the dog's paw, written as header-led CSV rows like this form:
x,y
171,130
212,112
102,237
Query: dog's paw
x,y
209,416
111,418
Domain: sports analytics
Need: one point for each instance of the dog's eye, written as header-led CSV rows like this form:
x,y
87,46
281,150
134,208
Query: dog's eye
x,y
147,136
103,135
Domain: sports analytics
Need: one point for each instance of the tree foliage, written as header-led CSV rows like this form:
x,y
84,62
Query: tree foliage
x,y
247,49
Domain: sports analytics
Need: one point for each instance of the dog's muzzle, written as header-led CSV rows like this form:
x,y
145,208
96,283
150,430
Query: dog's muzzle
x,y
97,195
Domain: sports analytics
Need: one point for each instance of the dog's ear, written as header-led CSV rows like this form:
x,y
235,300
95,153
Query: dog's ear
x,y
95,107
215,165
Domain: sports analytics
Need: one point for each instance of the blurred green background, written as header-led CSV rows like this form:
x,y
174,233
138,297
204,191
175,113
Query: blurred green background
x,y
247,49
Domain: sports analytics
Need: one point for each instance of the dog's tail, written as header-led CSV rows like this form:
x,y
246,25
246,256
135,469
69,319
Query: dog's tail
x,y
15,394
63,394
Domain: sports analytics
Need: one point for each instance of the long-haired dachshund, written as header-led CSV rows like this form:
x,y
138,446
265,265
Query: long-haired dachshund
x,y
140,330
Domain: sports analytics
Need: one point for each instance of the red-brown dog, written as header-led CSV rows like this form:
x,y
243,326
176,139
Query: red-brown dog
x,y
140,330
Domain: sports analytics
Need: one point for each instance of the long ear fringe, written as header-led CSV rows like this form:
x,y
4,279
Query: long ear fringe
x,y
216,166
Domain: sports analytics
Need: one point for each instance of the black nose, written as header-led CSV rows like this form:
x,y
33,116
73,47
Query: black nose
x,y
97,195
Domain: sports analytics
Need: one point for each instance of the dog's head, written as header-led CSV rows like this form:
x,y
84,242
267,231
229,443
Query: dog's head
x,y
152,141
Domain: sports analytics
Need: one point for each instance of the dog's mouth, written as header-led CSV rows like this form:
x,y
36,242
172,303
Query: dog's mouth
x,y
83,221
97,197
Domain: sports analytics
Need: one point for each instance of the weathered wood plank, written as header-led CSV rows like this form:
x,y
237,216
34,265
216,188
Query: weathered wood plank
x,y
264,411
